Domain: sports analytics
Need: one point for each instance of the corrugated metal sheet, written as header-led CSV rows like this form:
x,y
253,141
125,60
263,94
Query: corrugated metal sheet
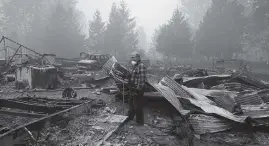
x,y
224,101
174,89
222,98
108,65
248,99
203,124
183,91
257,114
117,72
181,97
256,111
250,80
167,81
170,95
209,81
264,94
212,109
233,86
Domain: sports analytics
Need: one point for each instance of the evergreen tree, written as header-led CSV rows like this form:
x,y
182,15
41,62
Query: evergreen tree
x,y
63,35
181,36
174,38
258,28
120,35
3,20
260,16
152,53
162,39
113,37
220,33
19,15
39,22
130,40
142,39
96,33
195,11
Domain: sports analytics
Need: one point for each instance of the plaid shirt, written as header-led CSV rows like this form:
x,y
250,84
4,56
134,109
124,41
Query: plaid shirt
x,y
138,76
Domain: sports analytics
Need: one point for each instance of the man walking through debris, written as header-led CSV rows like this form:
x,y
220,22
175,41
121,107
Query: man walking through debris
x,y
136,85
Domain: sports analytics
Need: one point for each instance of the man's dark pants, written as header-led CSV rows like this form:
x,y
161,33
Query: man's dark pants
x,y
136,104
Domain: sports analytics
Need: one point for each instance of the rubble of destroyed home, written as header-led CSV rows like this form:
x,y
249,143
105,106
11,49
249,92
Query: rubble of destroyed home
x,y
47,100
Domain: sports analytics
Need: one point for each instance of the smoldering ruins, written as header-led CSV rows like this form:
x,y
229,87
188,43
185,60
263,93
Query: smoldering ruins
x,y
56,101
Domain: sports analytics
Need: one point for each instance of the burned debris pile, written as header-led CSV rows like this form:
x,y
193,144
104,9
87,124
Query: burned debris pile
x,y
210,103
40,98
72,103
223,101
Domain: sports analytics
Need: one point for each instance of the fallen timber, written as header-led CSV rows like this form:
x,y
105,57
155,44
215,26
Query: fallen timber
x,y
38,120
22,114
30,107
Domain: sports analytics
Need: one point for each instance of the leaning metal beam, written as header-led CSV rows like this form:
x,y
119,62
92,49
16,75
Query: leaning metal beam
x,y
1,40
22,46
5,38
14,54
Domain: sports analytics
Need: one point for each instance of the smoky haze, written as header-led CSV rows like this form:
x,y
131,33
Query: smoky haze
x,y
176,30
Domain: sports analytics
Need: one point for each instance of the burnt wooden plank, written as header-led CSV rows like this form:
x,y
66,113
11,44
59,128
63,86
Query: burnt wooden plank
x,y
42,99
50,102
30,107
23,101
3,130
54,103
15,135
112,131
22,114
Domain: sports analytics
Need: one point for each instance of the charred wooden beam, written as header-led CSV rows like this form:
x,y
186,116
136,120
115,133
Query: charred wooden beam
x,y
23,114
44,103
30,107
23,101
51,100
3,130
15,135
54,103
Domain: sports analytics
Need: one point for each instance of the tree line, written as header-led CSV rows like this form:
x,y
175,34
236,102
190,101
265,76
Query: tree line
x,y
55,26
228,29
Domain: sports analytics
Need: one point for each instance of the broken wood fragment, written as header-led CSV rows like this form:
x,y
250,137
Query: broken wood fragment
x,y
30,107
22,114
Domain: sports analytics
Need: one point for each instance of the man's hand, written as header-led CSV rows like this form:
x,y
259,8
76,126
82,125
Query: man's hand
x,y
126,76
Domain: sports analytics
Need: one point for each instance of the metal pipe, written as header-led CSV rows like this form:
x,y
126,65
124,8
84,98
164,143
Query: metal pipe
x,y
30,134
27,48
23,46
1,40
14,54
123,98
5,49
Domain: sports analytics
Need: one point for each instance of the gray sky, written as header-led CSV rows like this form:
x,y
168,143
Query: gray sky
x,y
149,13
